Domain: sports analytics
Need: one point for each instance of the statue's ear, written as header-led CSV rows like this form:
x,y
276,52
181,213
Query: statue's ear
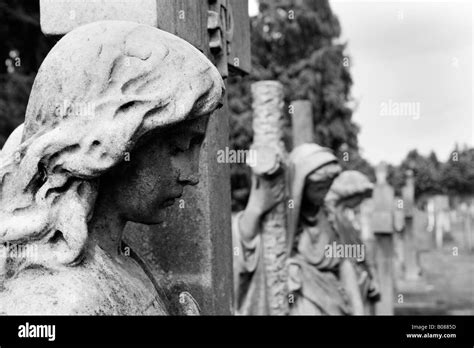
x,y
13,141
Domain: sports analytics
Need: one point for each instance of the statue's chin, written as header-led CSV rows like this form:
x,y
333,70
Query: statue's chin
x,y
99,286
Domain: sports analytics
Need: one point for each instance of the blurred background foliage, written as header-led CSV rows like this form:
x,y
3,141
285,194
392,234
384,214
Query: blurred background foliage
x,y
296,42
293,41
22,49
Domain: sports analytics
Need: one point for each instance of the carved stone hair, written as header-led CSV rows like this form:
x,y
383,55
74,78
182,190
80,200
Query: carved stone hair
x,y
100,89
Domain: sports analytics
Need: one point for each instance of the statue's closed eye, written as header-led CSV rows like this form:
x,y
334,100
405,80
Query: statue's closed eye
x,y
181,144
185,142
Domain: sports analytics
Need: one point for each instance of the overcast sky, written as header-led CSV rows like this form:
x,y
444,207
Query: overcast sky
x,y
413,55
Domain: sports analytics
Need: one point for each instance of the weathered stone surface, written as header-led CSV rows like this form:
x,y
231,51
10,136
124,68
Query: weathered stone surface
x,y
239,54
203,218
100,147
183,18
271,157
302,120
59,17
199,259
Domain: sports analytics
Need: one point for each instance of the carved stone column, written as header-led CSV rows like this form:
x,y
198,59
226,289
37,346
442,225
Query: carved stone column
x,y
271,156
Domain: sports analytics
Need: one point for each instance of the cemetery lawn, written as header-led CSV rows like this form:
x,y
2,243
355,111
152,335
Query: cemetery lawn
x,y
448,287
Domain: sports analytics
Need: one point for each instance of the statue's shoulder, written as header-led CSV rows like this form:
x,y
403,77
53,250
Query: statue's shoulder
x,y
97,287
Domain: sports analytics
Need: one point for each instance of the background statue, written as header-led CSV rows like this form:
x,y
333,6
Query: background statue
x,y
112,134
344,200
321,284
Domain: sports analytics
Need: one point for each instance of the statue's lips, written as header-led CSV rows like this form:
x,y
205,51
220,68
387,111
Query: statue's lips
x,y
168,202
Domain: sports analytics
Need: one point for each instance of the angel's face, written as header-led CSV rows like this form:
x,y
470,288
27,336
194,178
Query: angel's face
x,y
157,171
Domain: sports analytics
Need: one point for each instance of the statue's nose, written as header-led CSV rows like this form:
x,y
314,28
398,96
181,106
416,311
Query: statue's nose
x,y
189,173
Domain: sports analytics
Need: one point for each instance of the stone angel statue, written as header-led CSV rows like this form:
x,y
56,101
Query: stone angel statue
x,y
112,134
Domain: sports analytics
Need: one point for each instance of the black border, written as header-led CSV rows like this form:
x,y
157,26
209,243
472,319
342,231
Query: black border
x,y
223,330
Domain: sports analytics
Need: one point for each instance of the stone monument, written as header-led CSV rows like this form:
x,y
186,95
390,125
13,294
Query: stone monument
x,y
198,259
112,134
412,269
382,225
271,157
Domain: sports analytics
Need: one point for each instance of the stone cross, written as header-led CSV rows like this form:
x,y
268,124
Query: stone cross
x,y
198,259
382,225
302,122
271,156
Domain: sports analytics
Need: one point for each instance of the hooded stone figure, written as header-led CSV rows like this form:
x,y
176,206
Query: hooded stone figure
x,y
314,279
321,284
112,133
345,200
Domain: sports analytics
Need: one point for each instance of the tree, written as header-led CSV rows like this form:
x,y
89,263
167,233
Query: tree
x,y
292,41
426,171
22,51
457,174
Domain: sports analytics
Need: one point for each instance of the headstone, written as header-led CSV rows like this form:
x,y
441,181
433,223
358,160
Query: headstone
x,y
199,259
410,253
383,197
399,250
442,218
271,157
301,112
466,213
59,17
382,225
227,22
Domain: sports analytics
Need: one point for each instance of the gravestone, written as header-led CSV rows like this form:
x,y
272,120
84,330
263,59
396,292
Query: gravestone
x,y
442,219
410,257
198,260
210,25
382,225
399,250
302,122
271,157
